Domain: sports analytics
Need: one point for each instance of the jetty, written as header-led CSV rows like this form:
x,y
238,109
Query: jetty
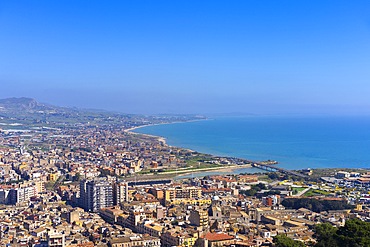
x,y
272,168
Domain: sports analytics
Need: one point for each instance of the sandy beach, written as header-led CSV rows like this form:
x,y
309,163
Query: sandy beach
x,y
159,138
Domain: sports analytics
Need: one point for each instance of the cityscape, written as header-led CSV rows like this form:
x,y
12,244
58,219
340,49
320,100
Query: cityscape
x,y
78,183
184,123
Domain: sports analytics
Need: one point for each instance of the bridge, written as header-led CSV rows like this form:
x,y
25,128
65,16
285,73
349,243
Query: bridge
x,y
273,168
149,182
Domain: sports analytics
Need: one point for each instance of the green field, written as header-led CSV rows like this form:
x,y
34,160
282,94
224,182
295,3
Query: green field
x,y
313,192
296,190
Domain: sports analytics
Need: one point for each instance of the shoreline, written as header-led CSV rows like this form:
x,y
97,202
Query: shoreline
x,y
161,138
174,174
222,169
177,122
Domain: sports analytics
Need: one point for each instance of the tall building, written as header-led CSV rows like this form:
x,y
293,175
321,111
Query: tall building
x,y
82,201
199,218
95,194
4,196
120,193
21,194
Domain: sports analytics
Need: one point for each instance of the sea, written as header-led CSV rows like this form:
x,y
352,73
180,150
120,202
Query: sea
x,y
296,142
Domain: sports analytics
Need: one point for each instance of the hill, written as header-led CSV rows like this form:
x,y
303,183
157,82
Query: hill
x,y
29,112
23,105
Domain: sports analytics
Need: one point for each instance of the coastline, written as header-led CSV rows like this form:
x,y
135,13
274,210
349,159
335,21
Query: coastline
x,y
191,170
194,171
148,125
161,138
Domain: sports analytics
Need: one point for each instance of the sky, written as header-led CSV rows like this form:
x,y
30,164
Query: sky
x,y
184,56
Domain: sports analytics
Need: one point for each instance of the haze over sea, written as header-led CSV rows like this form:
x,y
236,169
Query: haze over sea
x,y
295,142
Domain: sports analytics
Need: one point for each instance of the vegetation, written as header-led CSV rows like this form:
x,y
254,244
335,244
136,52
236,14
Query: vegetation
x,y
297,190
199,161
312,192
355,233
284,241
316,205
254,189
281,176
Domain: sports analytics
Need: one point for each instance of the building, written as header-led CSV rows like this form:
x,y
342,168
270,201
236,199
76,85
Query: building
x,y
73,216
136,215
4,196
271,200
120,193
134,241
199,218
342,174
212,239
55,239
197,202
95,194
111,214
182,193
178,237
20,195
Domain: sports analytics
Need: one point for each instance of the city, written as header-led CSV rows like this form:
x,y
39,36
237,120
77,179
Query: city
x,y
78,185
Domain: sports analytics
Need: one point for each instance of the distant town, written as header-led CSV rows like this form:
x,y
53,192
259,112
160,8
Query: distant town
x,y
76,178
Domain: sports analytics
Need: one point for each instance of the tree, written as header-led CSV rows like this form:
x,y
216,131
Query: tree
x,y
284,241
354,233
77,177
324,234
315,205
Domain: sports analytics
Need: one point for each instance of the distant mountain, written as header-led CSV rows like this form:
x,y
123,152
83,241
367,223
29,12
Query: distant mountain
x,y
22,104
29,112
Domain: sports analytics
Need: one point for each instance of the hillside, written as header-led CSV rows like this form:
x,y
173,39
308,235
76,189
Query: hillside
x,y
22,105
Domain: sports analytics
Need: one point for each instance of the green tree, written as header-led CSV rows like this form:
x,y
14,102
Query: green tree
x,y
354,233
325,235
284,241
77,177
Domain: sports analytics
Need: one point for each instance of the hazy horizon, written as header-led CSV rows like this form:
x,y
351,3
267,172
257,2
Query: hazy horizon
x,y
201,57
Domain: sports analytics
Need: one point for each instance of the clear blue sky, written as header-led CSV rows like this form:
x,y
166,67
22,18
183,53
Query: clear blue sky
x,y
175,56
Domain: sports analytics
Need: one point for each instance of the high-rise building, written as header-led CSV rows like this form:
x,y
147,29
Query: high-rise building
x,y
4,196
95,194
82,201
120,193
21,194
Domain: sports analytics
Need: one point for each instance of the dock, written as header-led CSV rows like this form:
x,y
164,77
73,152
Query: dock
x,y
273,168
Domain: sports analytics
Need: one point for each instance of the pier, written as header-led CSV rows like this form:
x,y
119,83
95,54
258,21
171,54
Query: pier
x,y
273,168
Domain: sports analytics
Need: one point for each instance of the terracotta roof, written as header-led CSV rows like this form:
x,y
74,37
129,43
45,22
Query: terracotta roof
x,y
218,236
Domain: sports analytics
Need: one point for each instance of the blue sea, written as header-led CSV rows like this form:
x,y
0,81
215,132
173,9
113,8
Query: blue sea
x,y
295,142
